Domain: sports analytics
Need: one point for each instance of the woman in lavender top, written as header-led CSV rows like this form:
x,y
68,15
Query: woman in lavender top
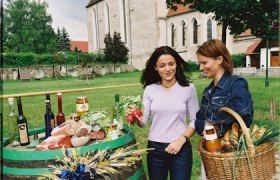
x,y
168,99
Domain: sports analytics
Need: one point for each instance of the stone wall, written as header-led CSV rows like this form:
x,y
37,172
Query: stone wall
x,y
38,72
253,71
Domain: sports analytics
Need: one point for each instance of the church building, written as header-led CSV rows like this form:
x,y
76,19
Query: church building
x,y
147,24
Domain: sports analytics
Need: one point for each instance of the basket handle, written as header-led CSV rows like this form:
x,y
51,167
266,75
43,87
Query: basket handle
x,y
244,128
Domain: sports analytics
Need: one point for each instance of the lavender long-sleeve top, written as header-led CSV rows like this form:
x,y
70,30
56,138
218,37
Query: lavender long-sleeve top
x,y
167,110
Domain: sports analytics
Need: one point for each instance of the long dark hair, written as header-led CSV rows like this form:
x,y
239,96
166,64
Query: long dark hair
x,y
150,75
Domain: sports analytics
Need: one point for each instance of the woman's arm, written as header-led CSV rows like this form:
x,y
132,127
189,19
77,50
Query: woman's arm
x,y
240,101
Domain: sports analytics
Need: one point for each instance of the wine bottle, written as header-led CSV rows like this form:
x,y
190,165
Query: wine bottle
x,y
48,128
60,117
22,125
116,117
51,114
115,109
12,122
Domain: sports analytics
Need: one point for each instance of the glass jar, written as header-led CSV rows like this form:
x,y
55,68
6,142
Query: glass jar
x,y
82,106
112,131
212,143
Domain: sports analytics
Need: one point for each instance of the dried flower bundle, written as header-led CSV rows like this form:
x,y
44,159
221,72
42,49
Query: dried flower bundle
x,y
96,163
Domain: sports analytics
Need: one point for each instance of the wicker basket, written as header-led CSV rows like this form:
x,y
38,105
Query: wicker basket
x,y
219,166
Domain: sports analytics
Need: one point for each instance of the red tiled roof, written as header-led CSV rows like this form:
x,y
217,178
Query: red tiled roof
x,y
180,9
81,45
256,46
253,47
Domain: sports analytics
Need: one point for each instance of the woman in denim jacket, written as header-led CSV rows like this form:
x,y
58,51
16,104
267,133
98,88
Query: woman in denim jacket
x,y
226,90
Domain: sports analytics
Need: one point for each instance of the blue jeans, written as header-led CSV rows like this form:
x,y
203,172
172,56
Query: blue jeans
x,y
160,163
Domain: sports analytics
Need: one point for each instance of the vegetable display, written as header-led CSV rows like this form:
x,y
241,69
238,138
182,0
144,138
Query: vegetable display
x,y
130,108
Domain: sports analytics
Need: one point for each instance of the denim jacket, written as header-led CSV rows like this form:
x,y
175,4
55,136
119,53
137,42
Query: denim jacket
x,y
231,91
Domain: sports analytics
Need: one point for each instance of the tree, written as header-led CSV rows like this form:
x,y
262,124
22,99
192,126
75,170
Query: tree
x,y
65,40
115,49
260,16
27,27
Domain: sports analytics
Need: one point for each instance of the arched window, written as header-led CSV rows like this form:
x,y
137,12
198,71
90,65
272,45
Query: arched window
x,y
209,29
123,21
184,28
107,18
95,31
172,35
195,31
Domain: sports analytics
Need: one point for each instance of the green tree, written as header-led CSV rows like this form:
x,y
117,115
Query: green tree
x,y
115,50
59,40
261,16
65,40
27,27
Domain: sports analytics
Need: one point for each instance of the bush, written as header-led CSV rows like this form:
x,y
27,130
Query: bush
x,y
193,66
115,50
239,60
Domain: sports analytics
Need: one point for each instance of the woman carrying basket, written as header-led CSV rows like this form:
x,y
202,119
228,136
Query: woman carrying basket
x,y
226,90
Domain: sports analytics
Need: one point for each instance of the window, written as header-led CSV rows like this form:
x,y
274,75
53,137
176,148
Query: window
x,y
95,30
209,29
172,35
123,19
184,33
195,31
107,18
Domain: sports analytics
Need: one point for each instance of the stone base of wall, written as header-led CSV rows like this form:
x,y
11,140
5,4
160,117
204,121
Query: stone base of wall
x,y
38,72
253,71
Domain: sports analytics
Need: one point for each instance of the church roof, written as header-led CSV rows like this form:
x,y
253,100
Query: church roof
x,y
92,2
180,10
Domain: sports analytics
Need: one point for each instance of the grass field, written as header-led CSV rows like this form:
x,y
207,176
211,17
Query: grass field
x,y
34,107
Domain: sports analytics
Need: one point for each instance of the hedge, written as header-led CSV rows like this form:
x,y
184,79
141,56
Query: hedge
x,y
31,59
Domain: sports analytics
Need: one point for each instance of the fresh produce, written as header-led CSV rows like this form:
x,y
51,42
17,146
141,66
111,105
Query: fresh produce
x,y
137,113
130,118
130,108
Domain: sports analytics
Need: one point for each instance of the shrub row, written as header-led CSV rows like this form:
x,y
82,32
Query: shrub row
x,y
31,59
71,58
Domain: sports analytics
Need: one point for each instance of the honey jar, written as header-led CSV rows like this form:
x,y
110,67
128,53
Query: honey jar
x,y
213,144
82,106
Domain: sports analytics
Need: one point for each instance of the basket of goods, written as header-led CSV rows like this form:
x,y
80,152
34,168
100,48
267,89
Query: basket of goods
x,y
244,153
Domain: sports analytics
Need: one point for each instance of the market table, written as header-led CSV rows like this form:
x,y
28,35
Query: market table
x,y
23,163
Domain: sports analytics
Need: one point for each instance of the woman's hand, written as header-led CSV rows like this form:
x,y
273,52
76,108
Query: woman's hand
x,y
175,146
139,121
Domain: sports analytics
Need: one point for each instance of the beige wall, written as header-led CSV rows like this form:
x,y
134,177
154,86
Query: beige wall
x,y
148,27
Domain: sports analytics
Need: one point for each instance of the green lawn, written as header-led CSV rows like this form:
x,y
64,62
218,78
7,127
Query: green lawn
x,y
34,107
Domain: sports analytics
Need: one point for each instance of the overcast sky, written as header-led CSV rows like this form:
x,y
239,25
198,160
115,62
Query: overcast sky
x,y
70,14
